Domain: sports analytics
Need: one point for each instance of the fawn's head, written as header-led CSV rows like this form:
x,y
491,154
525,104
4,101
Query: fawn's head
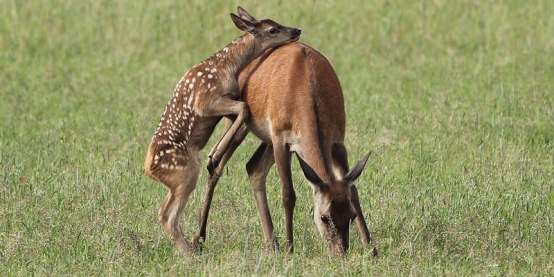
x,y
333,210
268,32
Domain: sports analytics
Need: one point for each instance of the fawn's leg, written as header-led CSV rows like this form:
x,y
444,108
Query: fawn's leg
x,y
181,181
213,178
226,107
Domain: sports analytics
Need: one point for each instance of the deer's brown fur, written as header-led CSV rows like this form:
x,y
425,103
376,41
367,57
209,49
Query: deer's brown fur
x,y
296,105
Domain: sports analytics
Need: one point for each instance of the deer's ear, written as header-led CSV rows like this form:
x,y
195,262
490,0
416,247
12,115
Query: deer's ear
x,y
245,15
310,174
355,172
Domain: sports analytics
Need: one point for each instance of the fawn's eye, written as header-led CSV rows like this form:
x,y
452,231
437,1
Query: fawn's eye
x,y
325,219
272,31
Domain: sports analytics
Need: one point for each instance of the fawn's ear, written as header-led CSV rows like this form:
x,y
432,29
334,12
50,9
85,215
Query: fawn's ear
x,y
243,24
355,172
245,15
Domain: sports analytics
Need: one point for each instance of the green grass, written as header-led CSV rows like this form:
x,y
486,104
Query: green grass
x,y
456,99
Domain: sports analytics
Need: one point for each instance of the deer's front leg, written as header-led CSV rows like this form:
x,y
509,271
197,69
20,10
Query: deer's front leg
x,y
258,167
282,160
225,107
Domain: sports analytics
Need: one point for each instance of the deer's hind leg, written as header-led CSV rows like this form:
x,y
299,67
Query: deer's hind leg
x,y
180,178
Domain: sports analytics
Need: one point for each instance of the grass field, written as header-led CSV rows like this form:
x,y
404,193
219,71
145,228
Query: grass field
x,y
455,98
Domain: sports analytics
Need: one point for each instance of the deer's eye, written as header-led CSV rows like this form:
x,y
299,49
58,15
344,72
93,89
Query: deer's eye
x,y
272,31
325,219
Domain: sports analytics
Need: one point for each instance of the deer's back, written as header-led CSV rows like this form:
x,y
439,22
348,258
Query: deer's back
x,y
293,93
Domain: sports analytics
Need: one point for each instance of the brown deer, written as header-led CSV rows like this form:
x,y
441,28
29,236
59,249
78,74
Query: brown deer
x,y
296,105
206,92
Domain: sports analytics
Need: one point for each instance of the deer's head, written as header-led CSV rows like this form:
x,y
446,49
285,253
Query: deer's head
x,y
333,210
268,32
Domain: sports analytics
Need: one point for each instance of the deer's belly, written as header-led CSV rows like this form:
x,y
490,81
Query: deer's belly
x,y
261,128
264,131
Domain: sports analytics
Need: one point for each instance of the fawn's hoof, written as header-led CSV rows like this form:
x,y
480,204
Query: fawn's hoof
x,y
212,164
197,245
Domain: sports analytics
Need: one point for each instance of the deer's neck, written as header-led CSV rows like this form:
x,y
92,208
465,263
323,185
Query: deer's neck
x,y
237,55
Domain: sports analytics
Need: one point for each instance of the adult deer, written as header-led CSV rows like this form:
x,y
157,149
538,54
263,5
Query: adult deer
x,y
206,92
296,105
